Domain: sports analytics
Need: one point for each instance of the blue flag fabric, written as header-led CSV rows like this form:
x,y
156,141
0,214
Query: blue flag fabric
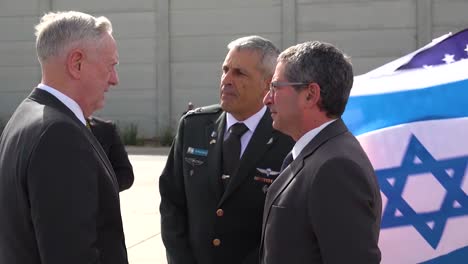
x,y
411,117
449,50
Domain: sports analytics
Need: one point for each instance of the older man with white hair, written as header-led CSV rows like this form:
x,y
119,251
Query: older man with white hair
x,y
58,193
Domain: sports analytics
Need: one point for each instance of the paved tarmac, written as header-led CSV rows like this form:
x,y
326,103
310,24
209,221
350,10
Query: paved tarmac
x,y
140,207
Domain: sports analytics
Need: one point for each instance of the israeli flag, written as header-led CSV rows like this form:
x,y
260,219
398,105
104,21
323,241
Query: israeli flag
x,y
411,117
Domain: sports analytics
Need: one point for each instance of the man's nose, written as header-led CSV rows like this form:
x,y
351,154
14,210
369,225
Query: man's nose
x,y
114,80
268,99
226,78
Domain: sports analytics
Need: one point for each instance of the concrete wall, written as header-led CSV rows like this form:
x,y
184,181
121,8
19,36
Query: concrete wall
x,y
171,51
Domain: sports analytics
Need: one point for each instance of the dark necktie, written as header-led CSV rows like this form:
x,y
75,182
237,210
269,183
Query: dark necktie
x,y
232,151
287,161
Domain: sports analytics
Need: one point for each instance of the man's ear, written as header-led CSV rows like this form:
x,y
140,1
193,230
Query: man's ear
x,y
313,93
74,63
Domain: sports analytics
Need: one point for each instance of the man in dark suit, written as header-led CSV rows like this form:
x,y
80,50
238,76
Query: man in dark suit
x,y
108,136
212,202
325,207
58,192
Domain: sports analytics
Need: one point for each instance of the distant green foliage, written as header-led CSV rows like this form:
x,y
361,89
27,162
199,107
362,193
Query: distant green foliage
x,y
129,135
167,137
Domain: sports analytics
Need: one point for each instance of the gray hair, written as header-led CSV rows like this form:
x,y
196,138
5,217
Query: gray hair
x,y
264,47
58,32
324,64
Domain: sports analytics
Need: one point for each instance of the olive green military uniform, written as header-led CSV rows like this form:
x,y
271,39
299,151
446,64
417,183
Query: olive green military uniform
x,y
200,221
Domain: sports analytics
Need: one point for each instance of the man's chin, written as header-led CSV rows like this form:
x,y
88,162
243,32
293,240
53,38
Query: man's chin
x,y
100,106
226,106
276,125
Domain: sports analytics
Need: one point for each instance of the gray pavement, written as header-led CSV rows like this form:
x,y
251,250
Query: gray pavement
x,y
140,207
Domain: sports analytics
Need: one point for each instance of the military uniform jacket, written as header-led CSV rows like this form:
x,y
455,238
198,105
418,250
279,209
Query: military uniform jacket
x,y
201,223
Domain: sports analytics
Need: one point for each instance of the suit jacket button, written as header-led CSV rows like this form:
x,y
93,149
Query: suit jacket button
x,y
216,242
219,212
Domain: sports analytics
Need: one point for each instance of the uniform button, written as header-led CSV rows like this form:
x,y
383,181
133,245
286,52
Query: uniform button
x,y
216,242
219,212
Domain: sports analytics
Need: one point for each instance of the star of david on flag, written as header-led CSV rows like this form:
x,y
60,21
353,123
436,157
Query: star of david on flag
x,y
411,117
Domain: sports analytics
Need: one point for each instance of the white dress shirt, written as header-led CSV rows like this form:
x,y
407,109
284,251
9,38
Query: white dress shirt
x,y
251,123
70,103
306,138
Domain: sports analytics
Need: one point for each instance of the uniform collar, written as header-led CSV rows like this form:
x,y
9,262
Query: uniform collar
x,y
251,122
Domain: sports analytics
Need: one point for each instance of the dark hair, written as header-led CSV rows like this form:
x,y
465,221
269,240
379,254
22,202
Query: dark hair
x,y
324,64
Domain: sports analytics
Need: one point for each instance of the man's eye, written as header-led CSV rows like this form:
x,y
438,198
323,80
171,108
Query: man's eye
x,y
239,72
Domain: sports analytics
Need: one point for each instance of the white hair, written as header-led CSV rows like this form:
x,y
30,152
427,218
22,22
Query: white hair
x,y
58,32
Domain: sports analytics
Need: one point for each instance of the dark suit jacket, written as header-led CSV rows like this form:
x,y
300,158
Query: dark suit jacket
x,y
194,209
59,197
108,136
326,206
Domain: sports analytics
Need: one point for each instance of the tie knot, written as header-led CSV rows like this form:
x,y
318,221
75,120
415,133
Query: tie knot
x,y
238,129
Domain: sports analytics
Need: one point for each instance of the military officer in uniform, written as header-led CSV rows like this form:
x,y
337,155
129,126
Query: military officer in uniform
x,y
223,159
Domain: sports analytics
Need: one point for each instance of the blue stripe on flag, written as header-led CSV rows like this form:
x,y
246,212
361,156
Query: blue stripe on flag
x,y
370,112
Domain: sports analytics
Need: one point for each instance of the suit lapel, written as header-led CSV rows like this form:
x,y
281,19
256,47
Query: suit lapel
x,y
102,155
46,98
279,185
261,140
214,134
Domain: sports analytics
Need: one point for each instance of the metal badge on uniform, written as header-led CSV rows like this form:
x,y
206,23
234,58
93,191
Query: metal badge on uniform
x,y
197,151
268,172
213,141
265,177
270,141
214,134
194,162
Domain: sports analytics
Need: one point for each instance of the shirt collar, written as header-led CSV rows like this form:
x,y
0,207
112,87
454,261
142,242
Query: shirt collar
x,y
250,122
70,103
306,138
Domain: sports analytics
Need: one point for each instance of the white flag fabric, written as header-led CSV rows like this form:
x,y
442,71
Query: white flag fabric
x,y
411,117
